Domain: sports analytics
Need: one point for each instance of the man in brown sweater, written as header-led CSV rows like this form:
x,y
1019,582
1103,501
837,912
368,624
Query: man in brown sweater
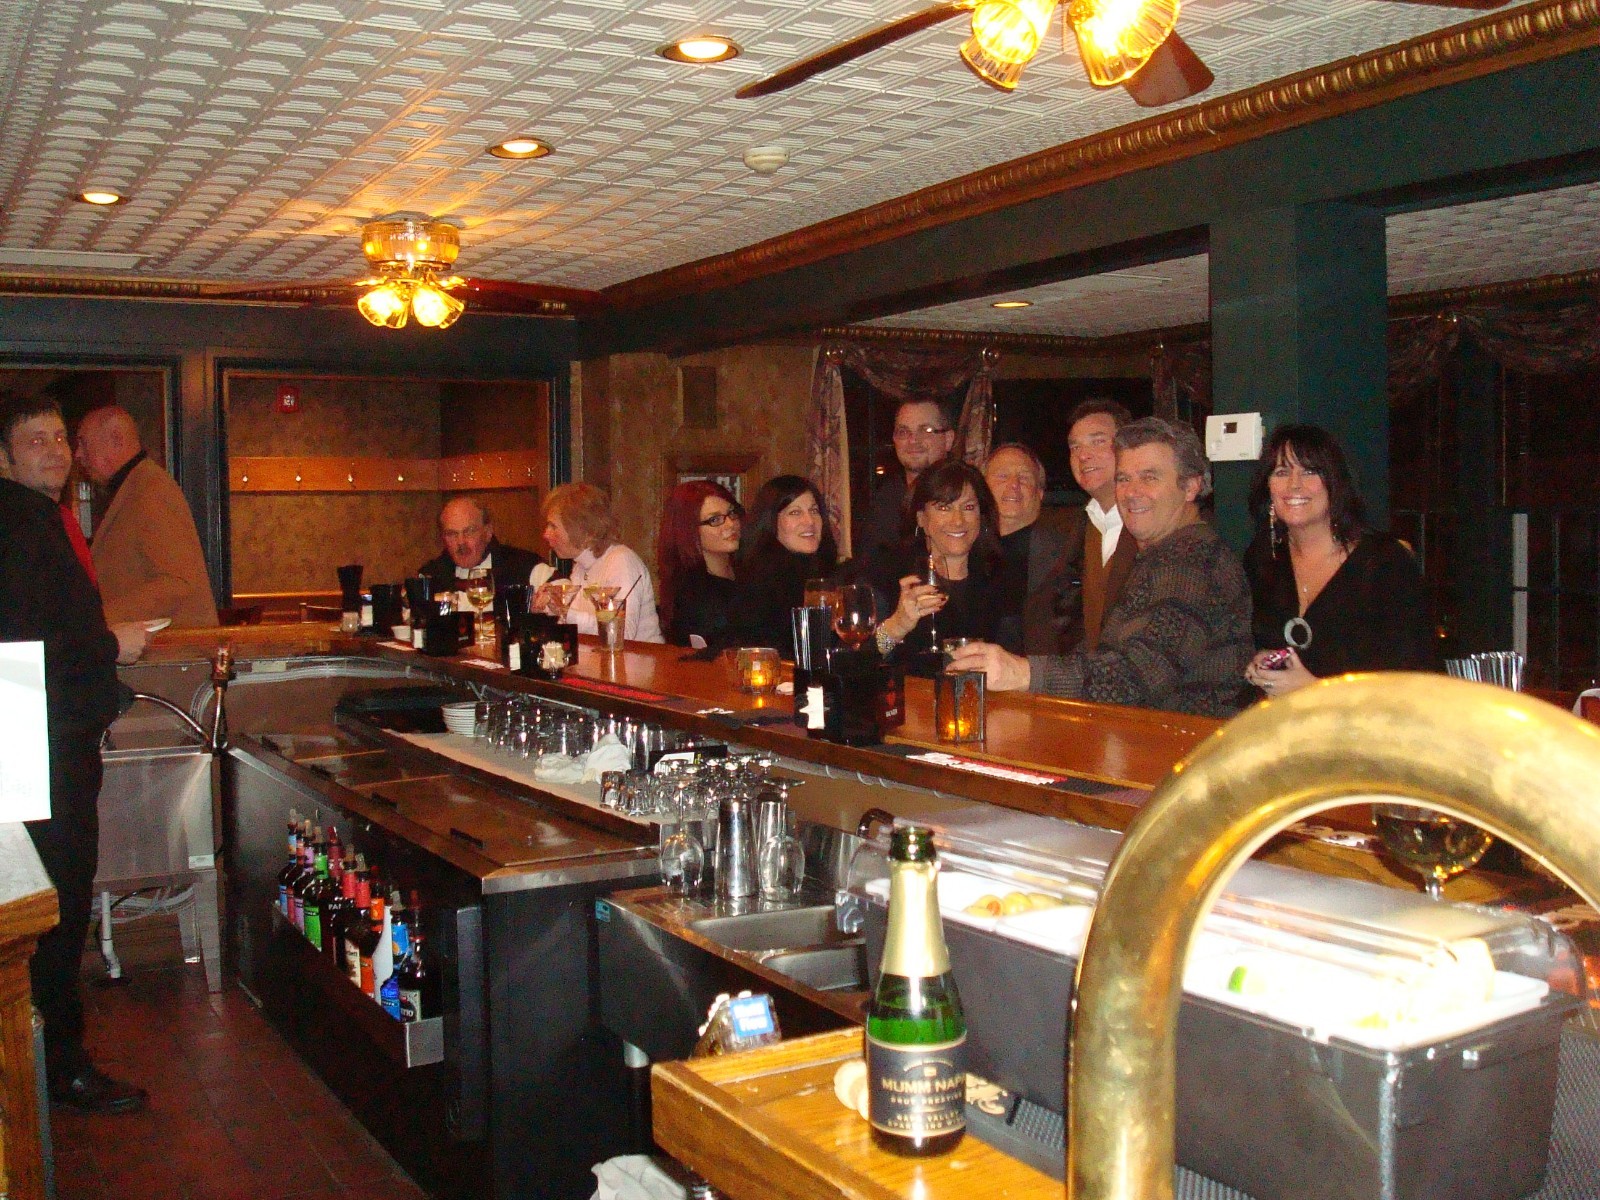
x,y
1179,634
146,549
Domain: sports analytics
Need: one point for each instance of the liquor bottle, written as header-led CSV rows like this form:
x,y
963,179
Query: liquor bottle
x,y
318,895
307,877
369,944
916,1033
354,926
300,874
417,1002
292,868
337,910
389,997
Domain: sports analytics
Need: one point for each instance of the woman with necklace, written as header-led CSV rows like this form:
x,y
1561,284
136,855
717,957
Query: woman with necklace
x,y
946,581
1330,594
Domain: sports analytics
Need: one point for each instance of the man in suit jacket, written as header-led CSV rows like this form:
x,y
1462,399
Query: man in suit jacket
x,y
47,595
146,549
467,531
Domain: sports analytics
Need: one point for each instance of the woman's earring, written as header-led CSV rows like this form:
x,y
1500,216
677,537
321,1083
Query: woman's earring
x,y
1276,529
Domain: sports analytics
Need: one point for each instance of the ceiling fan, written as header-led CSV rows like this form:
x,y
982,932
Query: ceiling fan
x,y
1129,43
410,254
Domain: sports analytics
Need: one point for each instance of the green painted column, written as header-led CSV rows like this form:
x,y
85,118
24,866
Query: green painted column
x,y
1480,558
1298,313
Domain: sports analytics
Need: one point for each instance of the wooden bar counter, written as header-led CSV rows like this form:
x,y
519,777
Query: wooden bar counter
x,y
27,910
766,1123
1105,758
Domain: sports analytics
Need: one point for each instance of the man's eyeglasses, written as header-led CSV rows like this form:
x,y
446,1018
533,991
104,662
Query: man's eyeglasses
x,y
904,433
727,514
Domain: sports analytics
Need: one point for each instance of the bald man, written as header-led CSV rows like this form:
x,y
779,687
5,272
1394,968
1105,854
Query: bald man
x,y
146,550
467,531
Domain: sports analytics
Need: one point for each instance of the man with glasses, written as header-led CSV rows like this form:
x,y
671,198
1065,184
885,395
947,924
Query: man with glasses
x,y
467,531
923,436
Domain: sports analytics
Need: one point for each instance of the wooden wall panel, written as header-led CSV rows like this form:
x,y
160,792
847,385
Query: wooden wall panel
x,y
289,543
763,395
364,418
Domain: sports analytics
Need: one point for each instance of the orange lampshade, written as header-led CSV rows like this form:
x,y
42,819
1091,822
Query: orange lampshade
x,y
1006,34
1117,37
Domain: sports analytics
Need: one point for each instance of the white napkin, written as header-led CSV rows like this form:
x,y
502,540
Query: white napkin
x,y
608,755
634,1177
1577,705
558,768
540,575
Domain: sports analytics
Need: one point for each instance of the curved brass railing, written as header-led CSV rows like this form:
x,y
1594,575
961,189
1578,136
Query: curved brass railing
x,y
1517,766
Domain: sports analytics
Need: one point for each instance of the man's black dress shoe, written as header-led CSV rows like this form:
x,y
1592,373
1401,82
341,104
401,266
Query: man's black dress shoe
x,y
91,1091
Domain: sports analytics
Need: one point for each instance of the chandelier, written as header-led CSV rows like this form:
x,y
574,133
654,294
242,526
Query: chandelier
x,y
408,251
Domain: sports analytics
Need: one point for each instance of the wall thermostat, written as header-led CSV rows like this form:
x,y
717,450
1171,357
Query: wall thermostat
x,y
1233,437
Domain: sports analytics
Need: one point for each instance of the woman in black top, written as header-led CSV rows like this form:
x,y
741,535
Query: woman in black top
x,y
1330,595
956,534
700,532
786,541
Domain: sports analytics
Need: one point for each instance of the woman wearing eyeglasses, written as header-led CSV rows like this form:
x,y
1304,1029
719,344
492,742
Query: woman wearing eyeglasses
x,y
700,527
786,541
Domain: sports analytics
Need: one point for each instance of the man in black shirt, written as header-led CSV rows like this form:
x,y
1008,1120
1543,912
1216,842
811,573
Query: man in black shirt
x,y
467,531
46,595
1036,552
923,437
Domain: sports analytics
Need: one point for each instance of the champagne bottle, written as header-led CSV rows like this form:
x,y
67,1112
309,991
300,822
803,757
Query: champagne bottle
x,y
916,1034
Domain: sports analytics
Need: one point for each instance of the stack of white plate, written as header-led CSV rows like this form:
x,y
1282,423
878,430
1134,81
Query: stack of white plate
x,y
459,718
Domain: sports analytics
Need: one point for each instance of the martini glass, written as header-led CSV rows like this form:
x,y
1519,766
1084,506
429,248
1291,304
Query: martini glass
x,y
1432,844
564,592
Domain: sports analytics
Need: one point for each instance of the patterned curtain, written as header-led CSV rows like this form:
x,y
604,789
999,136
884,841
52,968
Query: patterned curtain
x,y
828,441
900,374
975,429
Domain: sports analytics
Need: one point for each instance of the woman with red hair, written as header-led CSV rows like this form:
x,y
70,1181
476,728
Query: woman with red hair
x,y
700,527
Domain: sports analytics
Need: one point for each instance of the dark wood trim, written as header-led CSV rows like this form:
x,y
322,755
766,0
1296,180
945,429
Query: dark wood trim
x,y
1528,34
1572,285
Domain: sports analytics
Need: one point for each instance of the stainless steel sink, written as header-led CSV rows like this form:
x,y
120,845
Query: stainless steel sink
x,y
784,929
828,969
801,943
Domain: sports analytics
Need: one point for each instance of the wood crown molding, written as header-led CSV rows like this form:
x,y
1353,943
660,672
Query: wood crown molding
x,y
1532,33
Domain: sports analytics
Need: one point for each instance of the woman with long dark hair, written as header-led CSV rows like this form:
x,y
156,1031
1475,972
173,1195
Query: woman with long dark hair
x,y
955,532
786,541
1330,593
701,524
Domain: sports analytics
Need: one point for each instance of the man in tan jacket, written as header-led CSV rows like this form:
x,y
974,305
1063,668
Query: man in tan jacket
x,y
146,550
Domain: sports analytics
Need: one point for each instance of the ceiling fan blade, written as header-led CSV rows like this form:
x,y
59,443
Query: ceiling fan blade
x,y
1173,73
1480,4
837,56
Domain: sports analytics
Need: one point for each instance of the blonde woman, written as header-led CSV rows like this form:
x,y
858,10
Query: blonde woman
x,y
578,524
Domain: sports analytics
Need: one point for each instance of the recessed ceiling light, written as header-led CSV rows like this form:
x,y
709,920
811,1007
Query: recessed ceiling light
x,y
522,147
1012,304
101,196
701,48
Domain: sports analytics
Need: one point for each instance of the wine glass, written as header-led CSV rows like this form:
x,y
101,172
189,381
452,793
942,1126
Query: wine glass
x,y
1434,845
855,618
480,594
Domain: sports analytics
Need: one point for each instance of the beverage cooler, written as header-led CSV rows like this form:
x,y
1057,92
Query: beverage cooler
x,y
1337,1040
510,1089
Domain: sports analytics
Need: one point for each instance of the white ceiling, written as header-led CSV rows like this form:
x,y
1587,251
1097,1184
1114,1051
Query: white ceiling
x,y
253,136
1491,241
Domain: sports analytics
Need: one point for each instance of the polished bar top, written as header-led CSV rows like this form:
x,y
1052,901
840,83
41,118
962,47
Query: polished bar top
x,y
1109,757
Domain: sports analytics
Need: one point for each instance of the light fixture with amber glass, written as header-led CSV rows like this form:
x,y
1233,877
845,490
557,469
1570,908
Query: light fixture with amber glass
x,y
409,250
1117,37
1006,34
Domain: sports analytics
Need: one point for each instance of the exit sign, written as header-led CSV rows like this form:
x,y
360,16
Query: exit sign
x,y
289,398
